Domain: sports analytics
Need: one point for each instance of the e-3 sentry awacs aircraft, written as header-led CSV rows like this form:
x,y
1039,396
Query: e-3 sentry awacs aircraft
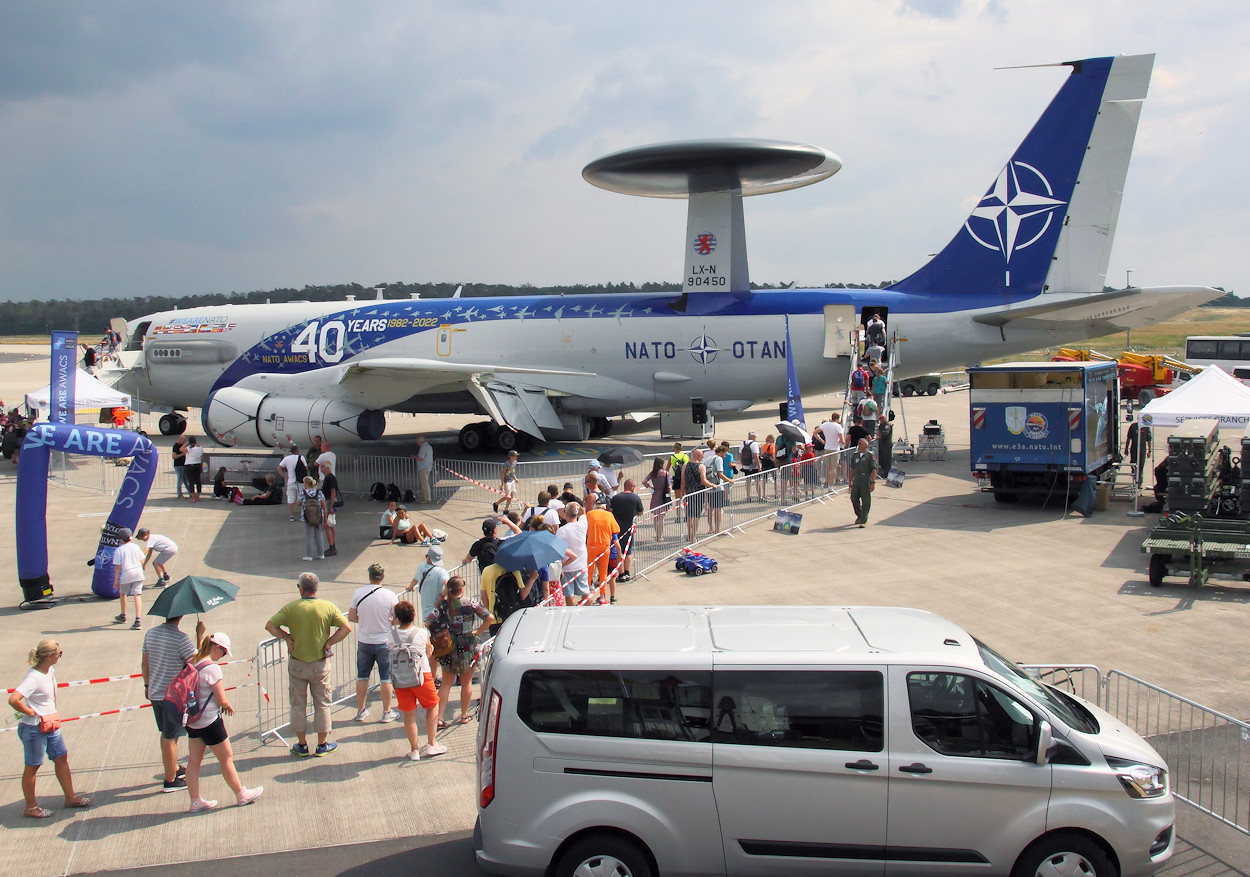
x,y
1026,270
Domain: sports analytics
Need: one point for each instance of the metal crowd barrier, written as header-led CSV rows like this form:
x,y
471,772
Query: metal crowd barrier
x,y
102,474
273,703
1083,680
1206,751
661,533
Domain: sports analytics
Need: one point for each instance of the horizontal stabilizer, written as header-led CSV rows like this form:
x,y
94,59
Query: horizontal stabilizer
x,y
1104,312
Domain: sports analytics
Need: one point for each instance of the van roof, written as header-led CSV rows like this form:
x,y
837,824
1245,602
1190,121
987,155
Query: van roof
x,y
643,633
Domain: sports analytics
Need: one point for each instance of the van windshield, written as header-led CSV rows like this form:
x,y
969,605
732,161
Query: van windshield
x,y
1061,707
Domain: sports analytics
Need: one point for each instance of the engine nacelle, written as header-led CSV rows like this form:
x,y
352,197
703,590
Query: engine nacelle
x,y
234,415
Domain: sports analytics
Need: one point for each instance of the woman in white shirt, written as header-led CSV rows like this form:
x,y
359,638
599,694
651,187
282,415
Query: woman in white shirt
x,y
35,701
424,695
208,730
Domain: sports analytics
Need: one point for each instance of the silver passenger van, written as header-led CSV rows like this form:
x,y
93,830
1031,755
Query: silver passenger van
x,y
769,740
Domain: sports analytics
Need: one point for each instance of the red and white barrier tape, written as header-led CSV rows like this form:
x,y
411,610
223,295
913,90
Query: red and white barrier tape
x,y
129,709
471,481
103,679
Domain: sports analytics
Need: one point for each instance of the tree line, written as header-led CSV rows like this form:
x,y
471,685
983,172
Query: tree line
x,y
91,316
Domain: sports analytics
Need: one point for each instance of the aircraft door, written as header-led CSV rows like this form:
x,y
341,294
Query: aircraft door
x,y
839,329
443,343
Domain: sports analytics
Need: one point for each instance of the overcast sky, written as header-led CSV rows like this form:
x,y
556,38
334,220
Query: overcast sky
x,y
157,148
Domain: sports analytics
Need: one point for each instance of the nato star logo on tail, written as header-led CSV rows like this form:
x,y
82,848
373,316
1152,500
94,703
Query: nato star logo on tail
x,y
1014,213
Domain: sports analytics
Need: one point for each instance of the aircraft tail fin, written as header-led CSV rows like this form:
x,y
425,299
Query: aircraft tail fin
x,y
1047,221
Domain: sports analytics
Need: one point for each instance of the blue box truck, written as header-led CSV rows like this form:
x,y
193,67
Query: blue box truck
x,y
1042,428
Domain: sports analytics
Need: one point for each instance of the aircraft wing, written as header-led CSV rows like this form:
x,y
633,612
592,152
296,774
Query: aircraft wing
x,y
512,395
1101,313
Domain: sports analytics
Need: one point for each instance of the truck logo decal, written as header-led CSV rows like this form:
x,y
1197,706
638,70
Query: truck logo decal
x,y
1035,426
1016,415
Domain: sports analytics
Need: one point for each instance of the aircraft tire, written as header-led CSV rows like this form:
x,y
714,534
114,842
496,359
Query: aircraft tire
x,y
525,442
507,440
472,438
172,424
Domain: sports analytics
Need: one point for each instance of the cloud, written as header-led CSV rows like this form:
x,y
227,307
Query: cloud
x,y
173,148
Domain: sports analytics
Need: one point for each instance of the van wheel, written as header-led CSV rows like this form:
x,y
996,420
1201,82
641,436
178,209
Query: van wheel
x,y
1064,854
603,855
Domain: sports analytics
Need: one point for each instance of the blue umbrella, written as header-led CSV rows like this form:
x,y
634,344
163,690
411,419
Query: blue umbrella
x,y
530,550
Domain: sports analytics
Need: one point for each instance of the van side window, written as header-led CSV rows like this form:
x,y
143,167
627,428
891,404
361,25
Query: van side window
x,y
956,714
644,704
804,709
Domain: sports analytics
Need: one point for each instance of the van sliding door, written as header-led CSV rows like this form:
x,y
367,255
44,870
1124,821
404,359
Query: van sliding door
x,y
798,769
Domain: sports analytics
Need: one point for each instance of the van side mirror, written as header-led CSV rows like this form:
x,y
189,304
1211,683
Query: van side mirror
x,y
1045,736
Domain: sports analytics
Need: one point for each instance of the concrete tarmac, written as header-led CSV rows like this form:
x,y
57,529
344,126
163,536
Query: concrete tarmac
x,y
1039,584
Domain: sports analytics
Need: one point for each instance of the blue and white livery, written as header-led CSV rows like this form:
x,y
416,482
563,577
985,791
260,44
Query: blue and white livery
x,y
1026,270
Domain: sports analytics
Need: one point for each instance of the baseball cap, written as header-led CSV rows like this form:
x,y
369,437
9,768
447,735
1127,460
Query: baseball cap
x,y
594,464
221,639
751,434
489,525
434,555
124,534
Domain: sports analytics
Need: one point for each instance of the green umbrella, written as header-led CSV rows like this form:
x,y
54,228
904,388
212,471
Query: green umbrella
x,y
191,596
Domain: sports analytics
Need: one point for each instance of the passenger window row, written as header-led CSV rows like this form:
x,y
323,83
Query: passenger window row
x,y
953,713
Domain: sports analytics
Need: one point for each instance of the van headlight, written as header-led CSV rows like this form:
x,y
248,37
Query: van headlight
x,y
1140,780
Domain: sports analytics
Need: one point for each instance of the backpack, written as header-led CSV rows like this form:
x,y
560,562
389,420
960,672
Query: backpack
x,y
768,456
378,491
859,379
301,470
409,496
184,692
312,509
392,492
747,456
405,666
507,596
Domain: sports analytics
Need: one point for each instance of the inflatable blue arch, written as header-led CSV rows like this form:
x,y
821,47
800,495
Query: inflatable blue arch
x,y
32,498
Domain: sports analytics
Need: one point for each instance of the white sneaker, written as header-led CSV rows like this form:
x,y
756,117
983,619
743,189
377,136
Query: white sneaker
x,y
430,751
362,716
247,796
201,805
306,557
390,716
415,755
321,557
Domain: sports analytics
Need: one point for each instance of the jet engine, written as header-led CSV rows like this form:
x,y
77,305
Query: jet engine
x,y
234,415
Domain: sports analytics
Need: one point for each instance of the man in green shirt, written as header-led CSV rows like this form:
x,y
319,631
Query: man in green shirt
x,y
863,480
307,634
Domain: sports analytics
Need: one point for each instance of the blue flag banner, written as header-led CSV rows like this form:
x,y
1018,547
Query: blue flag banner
x,y
64,370
794,399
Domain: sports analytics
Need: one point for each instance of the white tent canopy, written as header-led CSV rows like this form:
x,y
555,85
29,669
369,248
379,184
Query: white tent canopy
x,y
88,394
1211,393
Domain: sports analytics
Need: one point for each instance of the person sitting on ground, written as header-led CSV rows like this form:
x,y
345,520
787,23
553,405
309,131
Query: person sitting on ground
x,y
386,526
409,531
273,494
220,489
